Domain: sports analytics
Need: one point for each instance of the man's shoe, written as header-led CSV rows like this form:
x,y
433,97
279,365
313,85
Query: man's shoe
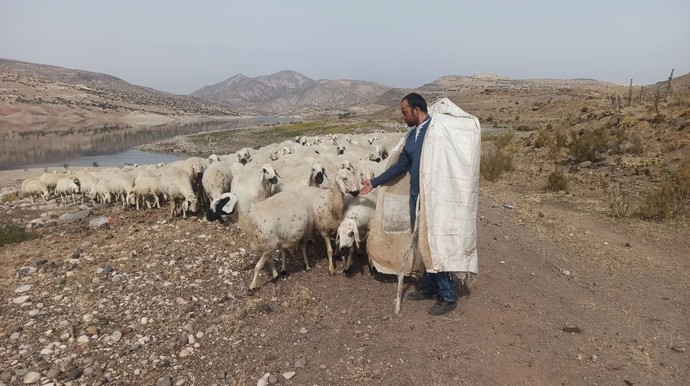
x,y
442,307
420,295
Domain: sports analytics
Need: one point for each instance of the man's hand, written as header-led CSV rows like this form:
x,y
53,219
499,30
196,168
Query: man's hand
x,y
366,187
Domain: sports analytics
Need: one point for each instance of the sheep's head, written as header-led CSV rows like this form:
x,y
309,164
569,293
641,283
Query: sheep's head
x,y
347,236
318,172
287,150
347,183
346,164
374,156
224,204
371,140
243,156
76,181
268,173
340,149
213,158
274,155
382,151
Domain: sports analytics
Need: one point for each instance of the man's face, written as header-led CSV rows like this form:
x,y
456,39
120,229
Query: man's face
x,y
411,116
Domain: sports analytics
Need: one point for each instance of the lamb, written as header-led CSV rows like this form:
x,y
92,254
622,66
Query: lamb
x,y
34,188
283,221
68,185
217,179
329,206
354,229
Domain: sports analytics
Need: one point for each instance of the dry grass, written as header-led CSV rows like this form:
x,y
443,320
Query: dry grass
x,y
672,198
12,233
557,181
497,157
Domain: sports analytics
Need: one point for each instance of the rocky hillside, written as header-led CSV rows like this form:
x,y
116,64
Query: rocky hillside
x,y
289,92
36,92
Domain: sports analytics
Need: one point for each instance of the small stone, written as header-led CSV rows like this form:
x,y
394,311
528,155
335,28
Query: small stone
x,y
272,379
300,363
53,372
289,374
594,358
573,328
566,273
99,223
263,381
323,366
144,320
74,373
21,299
303,331
23,288
628,245
116,336
14,336
678,348
165,381
83,339
31,377
85,245
15,328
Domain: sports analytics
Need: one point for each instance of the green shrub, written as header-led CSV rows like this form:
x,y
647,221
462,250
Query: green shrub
x,y
12,233
557,181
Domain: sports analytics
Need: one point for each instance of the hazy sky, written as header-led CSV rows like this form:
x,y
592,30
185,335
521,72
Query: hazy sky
x,y
181,46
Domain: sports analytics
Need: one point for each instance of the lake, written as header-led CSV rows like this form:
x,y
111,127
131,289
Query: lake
x,y
50,145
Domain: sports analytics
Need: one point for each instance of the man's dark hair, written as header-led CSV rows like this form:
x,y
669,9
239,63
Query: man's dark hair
x,y
415,100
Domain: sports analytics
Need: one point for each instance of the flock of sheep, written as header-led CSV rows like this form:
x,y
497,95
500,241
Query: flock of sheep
x,y
280,195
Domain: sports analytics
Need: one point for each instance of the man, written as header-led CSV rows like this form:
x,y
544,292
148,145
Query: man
x,y
414,110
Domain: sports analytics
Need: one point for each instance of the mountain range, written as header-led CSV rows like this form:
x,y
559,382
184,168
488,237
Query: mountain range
x,y
31,92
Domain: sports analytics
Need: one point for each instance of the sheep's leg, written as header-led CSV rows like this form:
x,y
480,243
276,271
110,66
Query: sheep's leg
x,y
157,201
303,247
272,262
172,209
329,249
257,268
283,270
348,261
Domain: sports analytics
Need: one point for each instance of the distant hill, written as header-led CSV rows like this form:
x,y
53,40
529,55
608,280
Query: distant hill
x,y
289,92
32,91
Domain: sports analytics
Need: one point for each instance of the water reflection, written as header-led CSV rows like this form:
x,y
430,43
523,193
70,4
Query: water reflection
x,y
28,146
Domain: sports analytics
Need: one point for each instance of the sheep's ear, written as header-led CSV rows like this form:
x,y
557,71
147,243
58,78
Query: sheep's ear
x,y
357,242
337,240
264,170
277,174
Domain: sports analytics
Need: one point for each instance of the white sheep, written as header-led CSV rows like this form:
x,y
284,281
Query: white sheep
x,y
354,229
329,207
146,185
68,186
283,221
253,185
302,175
34,187
51,179
177,187
217,179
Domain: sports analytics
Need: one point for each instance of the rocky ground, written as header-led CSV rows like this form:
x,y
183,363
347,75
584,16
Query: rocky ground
x,y
563,296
